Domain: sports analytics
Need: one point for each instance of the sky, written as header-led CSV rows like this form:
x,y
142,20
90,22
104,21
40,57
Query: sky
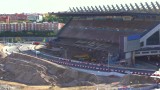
x,y
45,6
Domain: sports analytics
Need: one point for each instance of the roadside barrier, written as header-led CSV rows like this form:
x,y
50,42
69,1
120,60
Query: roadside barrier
x,y
96,67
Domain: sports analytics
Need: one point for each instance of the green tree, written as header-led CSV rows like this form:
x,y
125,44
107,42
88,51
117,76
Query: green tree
x,y
54,18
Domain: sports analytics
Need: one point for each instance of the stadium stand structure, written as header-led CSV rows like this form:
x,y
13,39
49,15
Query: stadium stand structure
x,y
108,34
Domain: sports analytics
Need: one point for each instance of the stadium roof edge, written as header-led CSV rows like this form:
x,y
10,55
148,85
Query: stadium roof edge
x,y
147,8
104,14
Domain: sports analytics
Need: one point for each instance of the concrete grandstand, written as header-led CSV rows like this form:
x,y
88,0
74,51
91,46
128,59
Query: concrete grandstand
x,y
112,34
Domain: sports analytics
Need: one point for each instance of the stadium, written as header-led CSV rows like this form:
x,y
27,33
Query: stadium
x,y
116,35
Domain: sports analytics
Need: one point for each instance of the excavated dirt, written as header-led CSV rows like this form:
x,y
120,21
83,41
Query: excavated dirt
x,y
136,79
33,71
2,55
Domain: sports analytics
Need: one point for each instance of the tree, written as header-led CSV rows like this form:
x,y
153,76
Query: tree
x,y
53,18
49,18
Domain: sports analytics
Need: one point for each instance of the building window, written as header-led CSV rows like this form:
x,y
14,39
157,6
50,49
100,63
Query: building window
x,y
137,52
141,44
154,39
153,51
145,52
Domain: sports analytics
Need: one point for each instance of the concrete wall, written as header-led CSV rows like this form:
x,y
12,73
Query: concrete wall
x,y
131,45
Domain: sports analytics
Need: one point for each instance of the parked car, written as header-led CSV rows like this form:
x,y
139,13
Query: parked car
x,y
35,43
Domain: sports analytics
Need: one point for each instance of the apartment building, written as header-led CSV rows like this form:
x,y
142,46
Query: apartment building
x,y
20,17
46,26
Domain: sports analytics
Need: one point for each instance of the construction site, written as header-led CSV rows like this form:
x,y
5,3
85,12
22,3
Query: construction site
x,y
97,49
26,72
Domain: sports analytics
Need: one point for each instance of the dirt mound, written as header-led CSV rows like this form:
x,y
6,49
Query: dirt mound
x,y
26,72
2,54
39,46
136,79
33,71
78,83
1,46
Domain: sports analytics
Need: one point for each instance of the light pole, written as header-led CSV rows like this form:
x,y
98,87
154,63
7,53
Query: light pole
x,y
109,55
65,53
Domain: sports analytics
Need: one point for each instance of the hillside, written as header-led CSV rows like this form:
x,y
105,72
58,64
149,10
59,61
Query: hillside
x,y
34,71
